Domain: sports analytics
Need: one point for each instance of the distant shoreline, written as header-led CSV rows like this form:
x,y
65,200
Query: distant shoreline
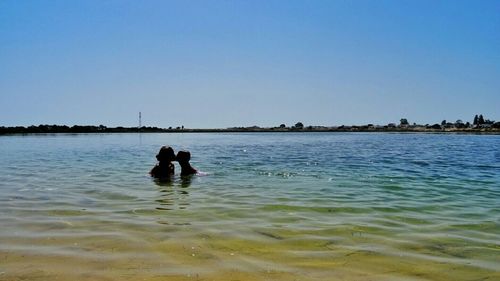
x,y
57,129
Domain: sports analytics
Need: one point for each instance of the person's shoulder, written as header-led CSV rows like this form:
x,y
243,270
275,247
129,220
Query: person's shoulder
x,y
154,171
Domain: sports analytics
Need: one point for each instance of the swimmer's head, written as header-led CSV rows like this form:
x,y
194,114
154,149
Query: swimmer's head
x,y
166,153
183,156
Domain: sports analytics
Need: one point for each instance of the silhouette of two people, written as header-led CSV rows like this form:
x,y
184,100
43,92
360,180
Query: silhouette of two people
x,y
165,169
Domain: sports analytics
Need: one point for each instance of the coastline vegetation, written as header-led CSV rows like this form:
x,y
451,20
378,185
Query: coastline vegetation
x,y
479,125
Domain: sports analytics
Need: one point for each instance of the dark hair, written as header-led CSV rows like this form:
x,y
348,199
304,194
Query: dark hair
x,y
183,156
166,153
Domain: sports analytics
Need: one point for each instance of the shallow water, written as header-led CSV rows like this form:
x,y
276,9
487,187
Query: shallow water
x,y
274,206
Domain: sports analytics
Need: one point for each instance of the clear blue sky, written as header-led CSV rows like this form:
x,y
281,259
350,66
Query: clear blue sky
x,y
218,64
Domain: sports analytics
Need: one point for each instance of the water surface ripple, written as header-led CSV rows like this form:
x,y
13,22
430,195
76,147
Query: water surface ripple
x,y
274,206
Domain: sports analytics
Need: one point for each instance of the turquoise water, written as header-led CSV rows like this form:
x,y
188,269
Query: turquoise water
x,y
273,206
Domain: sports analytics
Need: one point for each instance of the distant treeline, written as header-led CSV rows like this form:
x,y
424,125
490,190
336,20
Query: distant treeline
x,y
47,129
479,125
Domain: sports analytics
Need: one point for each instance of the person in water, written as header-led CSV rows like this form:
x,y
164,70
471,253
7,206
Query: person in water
x,y
165,168
183,158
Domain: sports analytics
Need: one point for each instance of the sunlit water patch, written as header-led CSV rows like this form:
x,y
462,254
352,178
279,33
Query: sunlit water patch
x,y
284,206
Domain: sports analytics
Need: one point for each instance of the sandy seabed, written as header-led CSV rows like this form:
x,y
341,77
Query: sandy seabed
x,y
278,255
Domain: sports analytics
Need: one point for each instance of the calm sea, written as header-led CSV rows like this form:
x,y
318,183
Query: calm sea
x,y
272,206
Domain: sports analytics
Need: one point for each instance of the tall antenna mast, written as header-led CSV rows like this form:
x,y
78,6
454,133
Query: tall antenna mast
x,y
140,121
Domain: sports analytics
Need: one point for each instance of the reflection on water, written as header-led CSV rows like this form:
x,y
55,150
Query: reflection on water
x,y
186,180
173,194
273,207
